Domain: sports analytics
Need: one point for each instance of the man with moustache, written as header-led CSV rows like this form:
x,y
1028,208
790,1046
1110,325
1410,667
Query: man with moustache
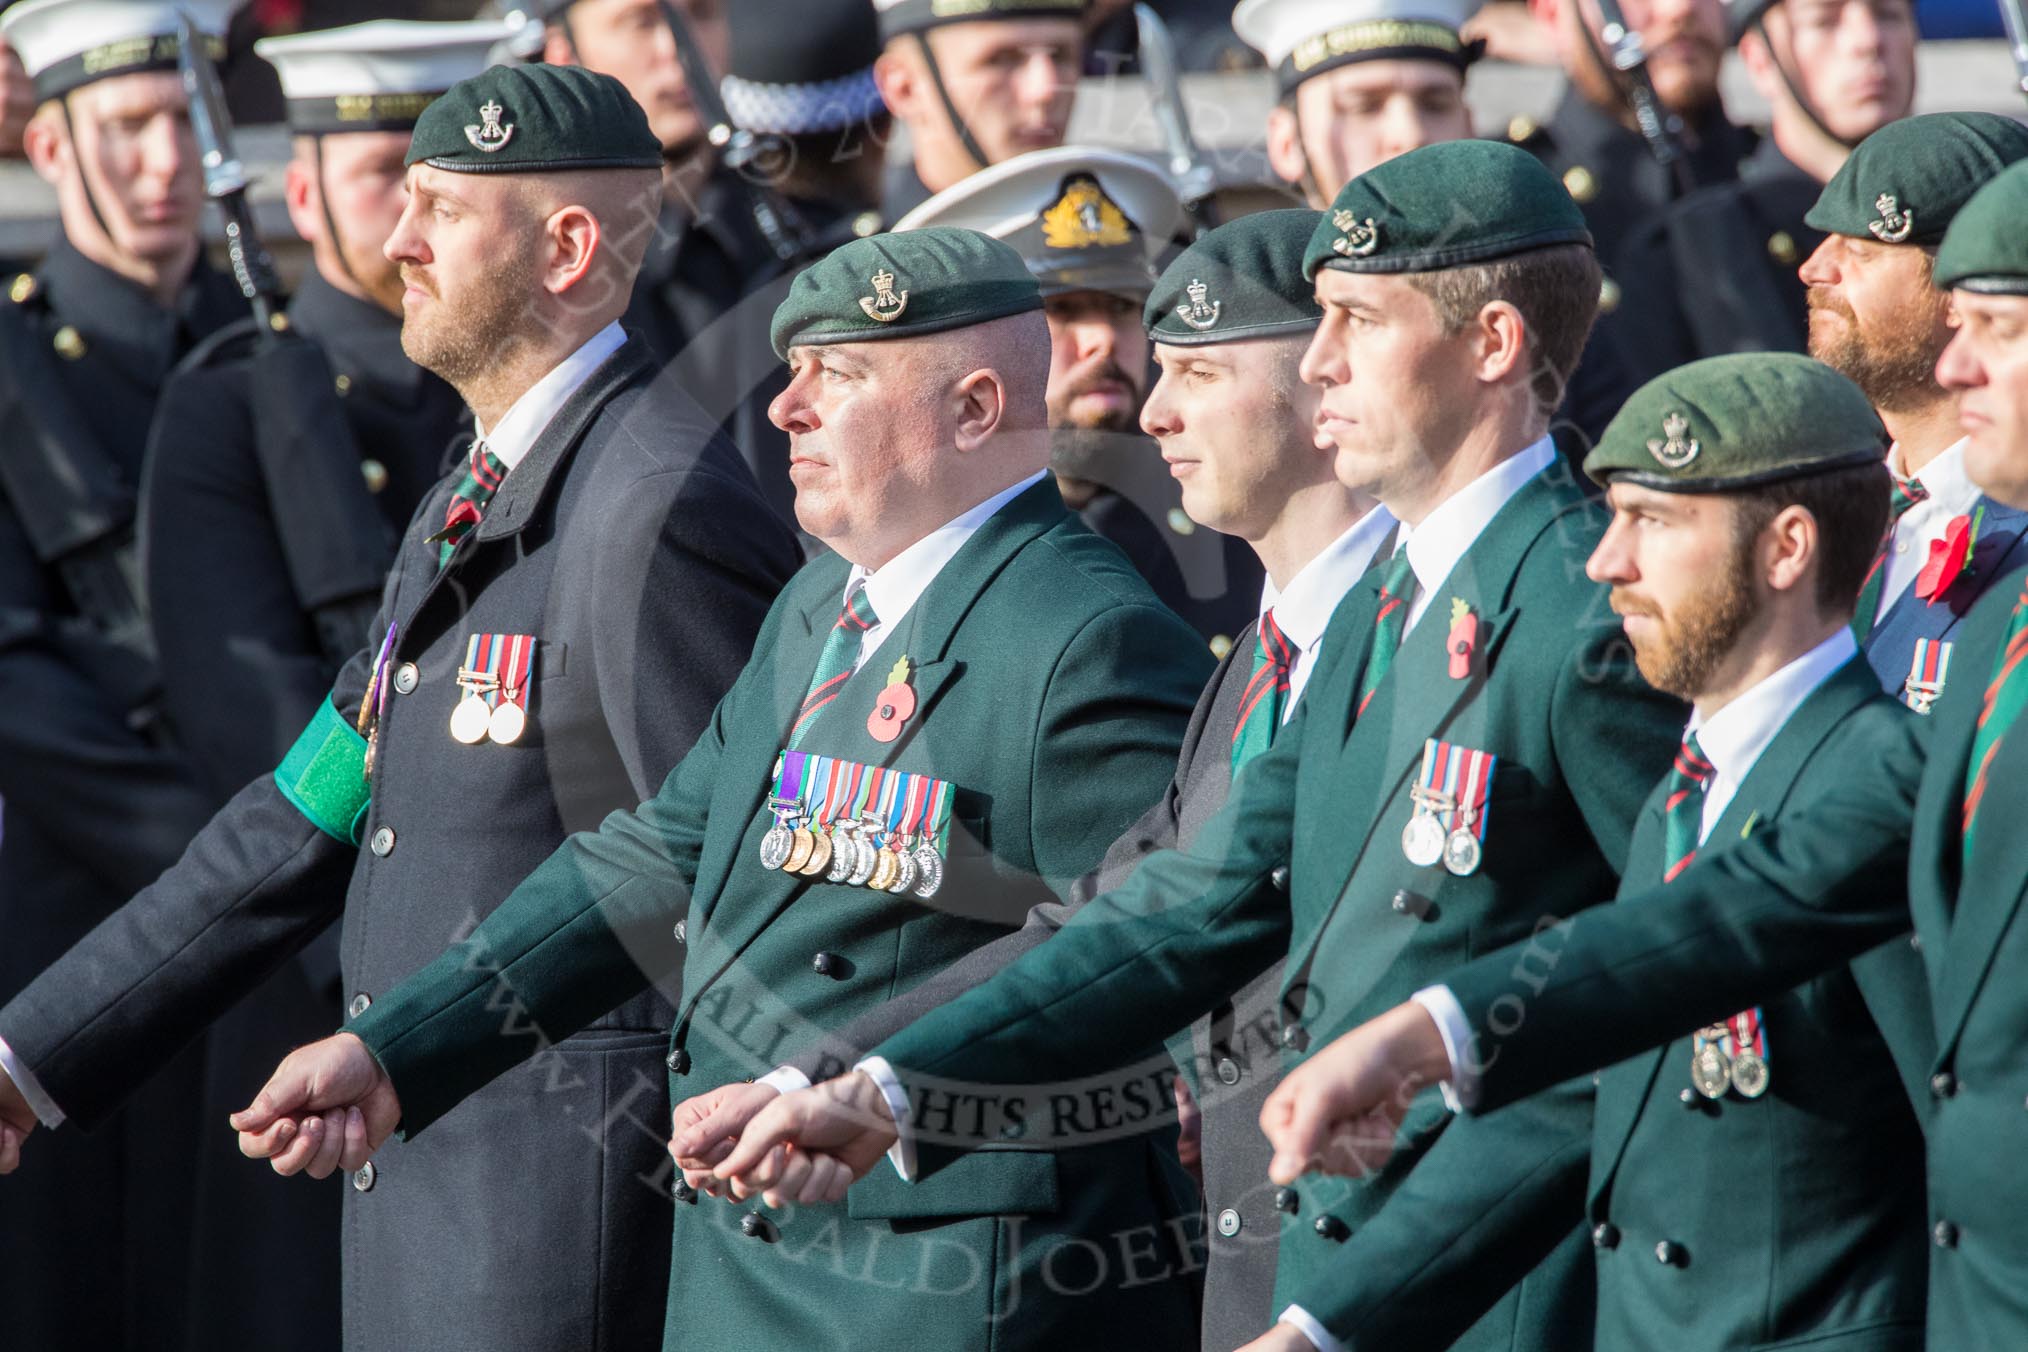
x,y
281,473
1918,835
1091,225
1229,321
563,614
95,794
1833,72
940,686
1439,358
974,84
1714,1174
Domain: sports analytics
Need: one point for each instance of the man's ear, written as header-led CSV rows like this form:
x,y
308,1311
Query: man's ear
x,y
557,48
1503,346
980,406
574,242
47,144
1789,549
1285,145
300,195
896,77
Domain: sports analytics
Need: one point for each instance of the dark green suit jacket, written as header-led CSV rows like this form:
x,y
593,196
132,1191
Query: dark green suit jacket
x,y
1040,660
1305,860
1805,897
1767,1239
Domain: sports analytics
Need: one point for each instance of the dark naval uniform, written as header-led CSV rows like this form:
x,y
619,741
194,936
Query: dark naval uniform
x,y
631,544
1716,272
97,800
278,485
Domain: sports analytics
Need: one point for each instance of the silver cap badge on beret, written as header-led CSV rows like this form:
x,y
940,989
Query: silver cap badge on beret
x,y
885,304
489,135
1199,314
1894,225
1360,237
1678,449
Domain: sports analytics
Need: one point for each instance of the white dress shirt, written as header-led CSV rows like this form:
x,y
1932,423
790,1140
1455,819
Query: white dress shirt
x,y
523,422
1951,494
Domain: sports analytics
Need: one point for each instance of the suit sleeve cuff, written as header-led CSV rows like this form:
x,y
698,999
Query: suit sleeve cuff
x,y
785,1080
1306,1324
39,1101
902,1153
1461,1094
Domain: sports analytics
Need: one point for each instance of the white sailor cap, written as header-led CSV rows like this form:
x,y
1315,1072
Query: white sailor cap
x,y
1305,38
1084,218
65,44
376,76
915,16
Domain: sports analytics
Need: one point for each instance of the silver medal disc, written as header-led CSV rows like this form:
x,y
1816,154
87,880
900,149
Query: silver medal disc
x,y
774,849
844,855
1749,1074
864,864
904,877
507,724
470,720
1462,853
1711,1071
930,865
1422,840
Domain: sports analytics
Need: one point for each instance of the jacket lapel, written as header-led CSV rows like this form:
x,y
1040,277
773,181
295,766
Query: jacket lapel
x,y
1628,1089
1995,873
1999,548
733,922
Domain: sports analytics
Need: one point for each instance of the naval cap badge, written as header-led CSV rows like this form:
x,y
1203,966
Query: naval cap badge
x,y
885,304
1085,218
1894,225
1199,314
1679,448
489,135
1360,237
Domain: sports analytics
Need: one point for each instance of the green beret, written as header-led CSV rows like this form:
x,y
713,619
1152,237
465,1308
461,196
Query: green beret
x,y
1738,421
1243,280
902,286
1905,182
1445,206
532,120
1986,249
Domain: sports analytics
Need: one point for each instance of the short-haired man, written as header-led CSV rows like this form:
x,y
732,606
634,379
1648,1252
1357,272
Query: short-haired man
x,y
1713,1175
993,80
1833,72
1919,836
1469,779
1092,225
905,768
563,614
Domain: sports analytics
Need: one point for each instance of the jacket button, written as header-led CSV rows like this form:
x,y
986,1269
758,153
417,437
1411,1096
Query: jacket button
x,y
1296,1038
1411,903
756,1226
682,1191
682,932
1945,1235
678,1061
383,841
1228,1070
363,1180
1915,942
1286,1200
1943,1084
360,1004
824,964
1331,1228
1690,1099
1229,1222
1605,1235
1669,1254
406,679
1280,877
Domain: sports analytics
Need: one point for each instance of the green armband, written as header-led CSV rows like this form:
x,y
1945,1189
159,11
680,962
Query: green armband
x,y
324,776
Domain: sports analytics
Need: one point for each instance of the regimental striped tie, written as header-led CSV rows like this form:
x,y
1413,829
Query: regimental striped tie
x,y
483,474
1260,708
1904,495
835,663
1397,591
1683,807
2006,696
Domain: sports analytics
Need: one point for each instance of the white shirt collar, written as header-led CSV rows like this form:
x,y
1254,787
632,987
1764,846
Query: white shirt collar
x,y
1733,738
1943,478
1447,534
1303,609
895,586
527,416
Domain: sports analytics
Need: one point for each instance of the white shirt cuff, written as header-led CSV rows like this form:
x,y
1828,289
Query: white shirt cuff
x,y
902,1153
1461,1094
44,1107
1311,1329
785,1080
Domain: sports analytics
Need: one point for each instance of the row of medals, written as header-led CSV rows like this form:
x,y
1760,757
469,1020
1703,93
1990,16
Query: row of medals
x,y
472,722
1425,842
1712,1072
845,852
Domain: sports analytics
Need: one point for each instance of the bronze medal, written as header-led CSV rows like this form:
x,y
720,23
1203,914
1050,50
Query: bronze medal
x,y
904,870
885,868
820,855
802,843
